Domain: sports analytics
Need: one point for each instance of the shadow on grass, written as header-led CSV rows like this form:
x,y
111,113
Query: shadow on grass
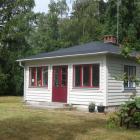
x,y
39,128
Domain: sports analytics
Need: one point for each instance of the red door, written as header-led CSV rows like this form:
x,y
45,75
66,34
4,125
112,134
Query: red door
x,y
59,89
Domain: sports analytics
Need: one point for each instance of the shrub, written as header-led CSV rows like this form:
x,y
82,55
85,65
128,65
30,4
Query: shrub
x,y
129,113
113,121
91,107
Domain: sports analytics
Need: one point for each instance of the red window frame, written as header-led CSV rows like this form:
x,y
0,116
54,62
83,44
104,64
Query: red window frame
x,y
91,84
34,70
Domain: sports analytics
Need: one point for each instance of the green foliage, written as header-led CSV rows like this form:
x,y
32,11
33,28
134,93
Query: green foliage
x,y
22,32
15,24
136,118
91,105
137,100
113,121
129,113
129,23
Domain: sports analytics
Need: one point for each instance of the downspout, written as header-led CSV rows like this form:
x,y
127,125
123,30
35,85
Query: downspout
x,y
24,92
20,64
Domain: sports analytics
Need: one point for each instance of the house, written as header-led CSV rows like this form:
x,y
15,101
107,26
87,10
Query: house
x,y
81,74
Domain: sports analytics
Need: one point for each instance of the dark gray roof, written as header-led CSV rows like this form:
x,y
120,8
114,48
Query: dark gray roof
x,y
88,48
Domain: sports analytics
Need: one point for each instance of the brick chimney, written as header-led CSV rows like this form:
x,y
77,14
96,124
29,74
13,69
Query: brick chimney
x,y
110,39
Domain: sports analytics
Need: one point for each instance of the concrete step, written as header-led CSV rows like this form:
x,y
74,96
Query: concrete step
x,y
51,105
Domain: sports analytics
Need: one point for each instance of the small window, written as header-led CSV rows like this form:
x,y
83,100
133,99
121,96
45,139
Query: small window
x,y
130,75
86,75
38,76
78,75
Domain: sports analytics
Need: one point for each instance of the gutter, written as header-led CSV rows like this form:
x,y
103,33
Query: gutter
x,y
63,56
30,59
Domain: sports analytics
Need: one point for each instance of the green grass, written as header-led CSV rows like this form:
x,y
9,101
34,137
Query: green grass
x,y
18,122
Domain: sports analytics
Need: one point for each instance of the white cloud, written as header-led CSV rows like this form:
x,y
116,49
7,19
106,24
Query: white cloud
x,y
42,5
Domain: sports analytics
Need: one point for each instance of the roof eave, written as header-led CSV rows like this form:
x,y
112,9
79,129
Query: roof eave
x,y
51,57
63,56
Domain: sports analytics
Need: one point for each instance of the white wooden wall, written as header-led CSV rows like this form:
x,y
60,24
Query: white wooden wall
x,y
37,94
116,94
75,95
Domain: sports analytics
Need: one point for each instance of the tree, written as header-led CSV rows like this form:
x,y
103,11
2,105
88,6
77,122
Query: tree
x,y
129,23
15,20
89,14
47,34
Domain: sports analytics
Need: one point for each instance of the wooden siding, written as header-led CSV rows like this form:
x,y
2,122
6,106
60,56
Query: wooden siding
x,y
116,93
37,94
75,95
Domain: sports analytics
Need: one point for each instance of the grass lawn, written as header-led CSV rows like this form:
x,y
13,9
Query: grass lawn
x,y
18,122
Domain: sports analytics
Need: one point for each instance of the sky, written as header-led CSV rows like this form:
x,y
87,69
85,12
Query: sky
x,y
42,5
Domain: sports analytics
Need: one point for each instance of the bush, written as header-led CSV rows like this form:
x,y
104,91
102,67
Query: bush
x,y
129,113
91,107
113,121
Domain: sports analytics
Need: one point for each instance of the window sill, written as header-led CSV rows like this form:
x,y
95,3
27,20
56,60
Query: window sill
x,y
85,88
38,87
129,90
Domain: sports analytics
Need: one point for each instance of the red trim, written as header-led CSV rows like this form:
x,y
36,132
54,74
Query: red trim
x,y
59,92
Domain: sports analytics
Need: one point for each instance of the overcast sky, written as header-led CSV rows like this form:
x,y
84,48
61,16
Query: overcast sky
x,y
42,5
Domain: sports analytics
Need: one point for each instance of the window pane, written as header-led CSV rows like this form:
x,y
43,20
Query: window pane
x,y
95,75
56,77
32,76
130,74
77,75
126,72
39,76
86,75
64,76
45,76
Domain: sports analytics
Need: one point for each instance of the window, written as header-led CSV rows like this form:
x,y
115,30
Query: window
x,y
64,76
86,75
32,76
38,76
45,75
130,75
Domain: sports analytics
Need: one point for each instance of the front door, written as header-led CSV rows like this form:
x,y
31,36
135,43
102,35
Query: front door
x,y
59,89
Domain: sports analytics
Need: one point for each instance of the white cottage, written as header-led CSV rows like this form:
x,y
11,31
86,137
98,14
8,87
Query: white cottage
x,y
81,74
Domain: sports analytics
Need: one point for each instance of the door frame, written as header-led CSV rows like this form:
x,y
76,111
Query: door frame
x,y
53,66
